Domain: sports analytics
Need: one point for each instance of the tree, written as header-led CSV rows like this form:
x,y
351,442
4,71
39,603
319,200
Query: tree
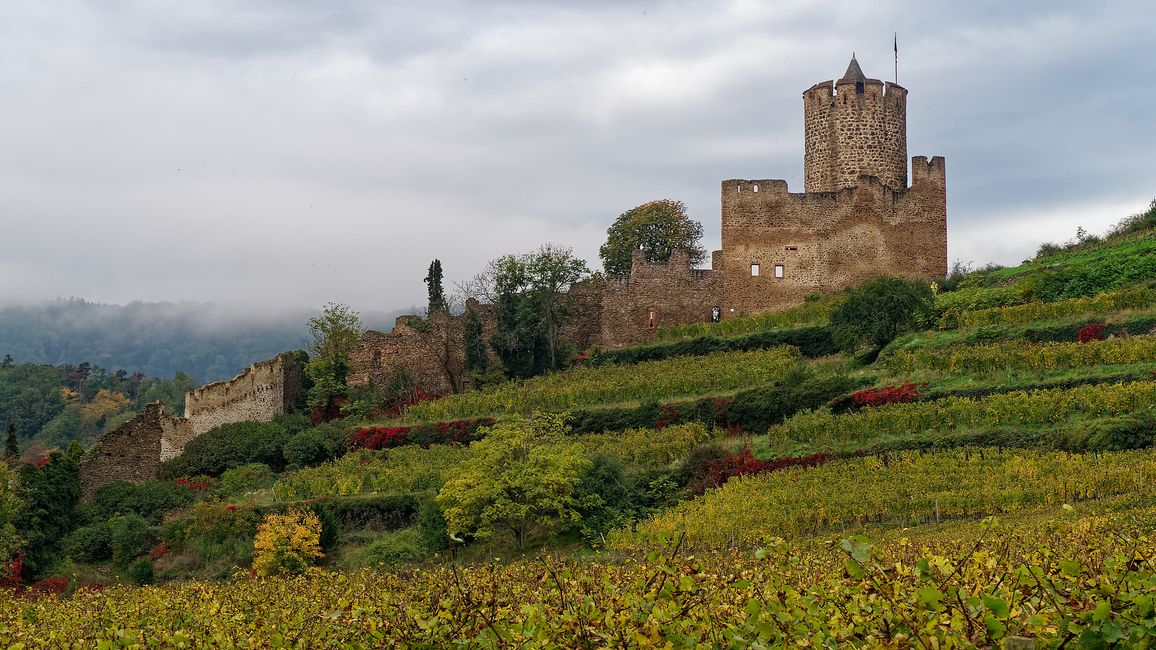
x,y
879,310
49,492
522,479
288,543
335,333
11,445
9,509
477,357
437,294
532,306
657,228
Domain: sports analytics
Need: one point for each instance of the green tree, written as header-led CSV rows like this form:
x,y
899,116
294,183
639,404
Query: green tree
x,y
523,479
11,445
533,307
879,310
335,333
657,228
437,294
9,510
48,493
477,358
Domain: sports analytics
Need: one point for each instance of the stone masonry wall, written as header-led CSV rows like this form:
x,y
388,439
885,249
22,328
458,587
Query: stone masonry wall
x,y
853,130
134,451
827,241
653,295
263,391
433,354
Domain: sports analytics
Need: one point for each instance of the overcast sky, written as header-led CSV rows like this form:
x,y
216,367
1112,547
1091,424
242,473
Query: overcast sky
x,y
285,152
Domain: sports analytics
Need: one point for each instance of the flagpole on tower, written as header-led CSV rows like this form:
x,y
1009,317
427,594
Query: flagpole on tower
x,y
896,58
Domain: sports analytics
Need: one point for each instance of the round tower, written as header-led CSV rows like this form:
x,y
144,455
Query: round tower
x,y
854,126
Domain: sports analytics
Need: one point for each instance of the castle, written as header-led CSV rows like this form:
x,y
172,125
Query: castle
x,y
857,218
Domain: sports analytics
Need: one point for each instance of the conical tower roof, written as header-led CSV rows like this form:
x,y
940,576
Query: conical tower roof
x,y
854,72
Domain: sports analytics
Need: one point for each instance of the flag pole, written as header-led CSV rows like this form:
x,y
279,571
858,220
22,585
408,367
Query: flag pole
x,y
896,42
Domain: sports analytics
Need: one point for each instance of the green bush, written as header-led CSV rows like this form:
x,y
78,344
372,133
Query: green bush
x,y
610,499
432,522
395,549
232,445
151,499
131,536
246,478
309,447
757,409
140,572
92,543
880,309
1131,431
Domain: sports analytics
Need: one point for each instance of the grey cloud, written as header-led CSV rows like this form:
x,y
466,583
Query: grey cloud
x,y
291,153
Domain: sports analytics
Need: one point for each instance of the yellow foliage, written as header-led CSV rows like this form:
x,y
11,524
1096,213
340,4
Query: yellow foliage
x,y
103,404
287,544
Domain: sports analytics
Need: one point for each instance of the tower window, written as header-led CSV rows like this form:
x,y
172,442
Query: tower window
x,y
858,87
755,187
779,271
792,247
754,270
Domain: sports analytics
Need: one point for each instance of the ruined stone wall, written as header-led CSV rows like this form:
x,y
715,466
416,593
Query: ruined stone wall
x,y
851,130
263,391
432,352
133,451
653,295
826,241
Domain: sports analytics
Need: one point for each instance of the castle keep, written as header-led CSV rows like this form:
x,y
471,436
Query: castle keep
x,y
857,218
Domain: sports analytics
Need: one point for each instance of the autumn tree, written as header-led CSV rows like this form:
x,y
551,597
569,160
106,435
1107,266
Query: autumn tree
x,y
521,479
657,228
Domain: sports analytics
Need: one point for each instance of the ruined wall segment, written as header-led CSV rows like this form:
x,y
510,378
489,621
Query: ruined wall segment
x,y
133,451
263,391
634,306
430,351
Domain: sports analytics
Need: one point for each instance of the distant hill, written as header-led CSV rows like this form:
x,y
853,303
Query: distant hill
x,y
204,340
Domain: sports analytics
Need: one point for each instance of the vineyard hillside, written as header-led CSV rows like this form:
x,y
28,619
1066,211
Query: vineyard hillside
x,y
985,478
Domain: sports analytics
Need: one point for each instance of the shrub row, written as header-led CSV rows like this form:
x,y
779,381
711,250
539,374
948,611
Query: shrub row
x,y
1035,311
812,341
456,431
1013,355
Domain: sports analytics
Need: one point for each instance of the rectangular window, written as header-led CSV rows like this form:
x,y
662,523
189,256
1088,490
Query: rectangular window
x,y
754,270
779,271
792,247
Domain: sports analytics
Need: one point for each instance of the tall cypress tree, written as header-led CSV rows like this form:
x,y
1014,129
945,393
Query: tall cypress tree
x,y
437,294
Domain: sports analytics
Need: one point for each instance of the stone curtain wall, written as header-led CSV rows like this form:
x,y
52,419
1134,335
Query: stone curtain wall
x,y
673,293
134,451
851,132
827,241
263,391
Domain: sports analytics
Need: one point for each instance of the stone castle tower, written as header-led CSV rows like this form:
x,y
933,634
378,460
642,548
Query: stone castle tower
x,y
854,126
857,218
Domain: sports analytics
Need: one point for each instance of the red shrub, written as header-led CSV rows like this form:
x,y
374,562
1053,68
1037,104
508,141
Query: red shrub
x,y
715,472
907,392
10,575
190,484
1093,332
160,550
49,586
